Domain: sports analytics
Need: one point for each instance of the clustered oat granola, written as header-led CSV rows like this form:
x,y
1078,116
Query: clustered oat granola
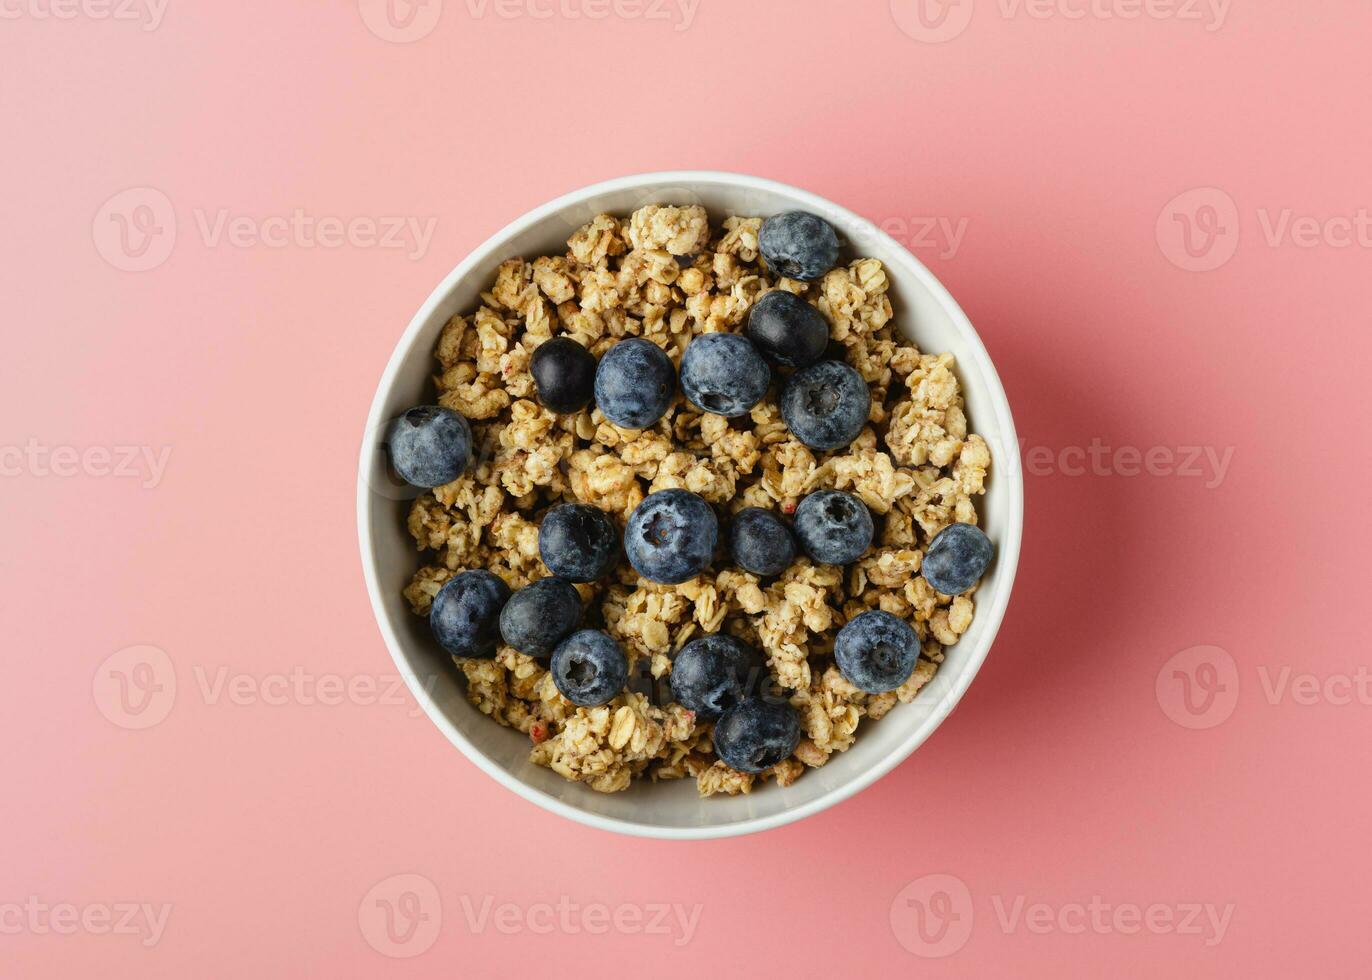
x,y
666,275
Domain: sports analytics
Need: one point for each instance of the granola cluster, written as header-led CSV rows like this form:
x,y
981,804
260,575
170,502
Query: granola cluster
x,y
665,274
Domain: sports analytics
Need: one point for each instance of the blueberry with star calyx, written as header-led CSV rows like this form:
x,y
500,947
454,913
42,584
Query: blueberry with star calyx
x,y
826,404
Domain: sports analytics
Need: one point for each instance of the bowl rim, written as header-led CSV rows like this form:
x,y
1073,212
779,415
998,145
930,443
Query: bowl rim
x,y
1008,469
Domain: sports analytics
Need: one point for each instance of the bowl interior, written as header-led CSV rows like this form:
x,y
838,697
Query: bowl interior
x,y
923,311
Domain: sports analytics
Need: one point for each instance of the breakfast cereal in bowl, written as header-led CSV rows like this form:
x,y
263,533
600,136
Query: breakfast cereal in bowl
x,y
689,504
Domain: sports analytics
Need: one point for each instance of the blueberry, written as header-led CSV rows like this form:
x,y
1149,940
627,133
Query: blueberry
x,y
798,245
834,527
430,446
671,536
578,542
466,614
876,651
589,668
756,734
540,615
635,383
956,558
788,330
564,374
723,373
826,404
760,542
711,673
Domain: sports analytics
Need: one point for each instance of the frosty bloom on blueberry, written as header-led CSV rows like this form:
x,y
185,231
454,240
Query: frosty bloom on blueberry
x,y
756,734
540,615
826,404
671,536
711,673
430,446
466,613
760,542
876,651
589,668
957,557
799,245
578,542
723,373
834,527
634,383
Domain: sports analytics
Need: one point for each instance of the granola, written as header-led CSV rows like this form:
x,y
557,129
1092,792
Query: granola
x,y
665,274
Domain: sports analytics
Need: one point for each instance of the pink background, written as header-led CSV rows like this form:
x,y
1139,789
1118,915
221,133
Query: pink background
x,y
1079,767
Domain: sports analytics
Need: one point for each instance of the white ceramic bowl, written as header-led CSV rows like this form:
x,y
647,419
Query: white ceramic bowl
x,y
924,311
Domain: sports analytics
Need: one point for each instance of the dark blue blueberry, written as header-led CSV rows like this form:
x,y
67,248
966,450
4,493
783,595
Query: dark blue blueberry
x,y
589,668
723,373
826,404
761,542
798,245
956,558
876,651
788,330
564,374
539,616
578,542
833,527
711,673
465,617
756,734
671,536
634,384
430,446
